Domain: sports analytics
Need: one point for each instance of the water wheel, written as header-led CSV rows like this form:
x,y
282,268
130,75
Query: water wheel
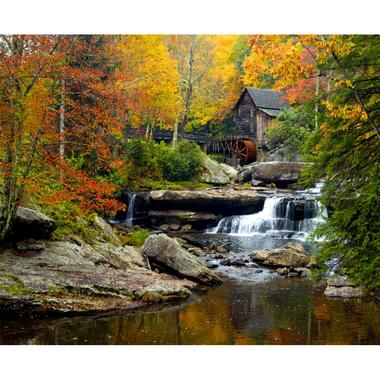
x,y
246,149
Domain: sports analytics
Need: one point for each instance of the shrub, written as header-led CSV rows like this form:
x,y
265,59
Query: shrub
x,y
290,131
182,163
156,162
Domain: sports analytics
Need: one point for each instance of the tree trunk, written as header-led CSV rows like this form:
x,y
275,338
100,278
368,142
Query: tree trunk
x,y
175,134
62,123
316,107
10,197
189,87
147,131
151,132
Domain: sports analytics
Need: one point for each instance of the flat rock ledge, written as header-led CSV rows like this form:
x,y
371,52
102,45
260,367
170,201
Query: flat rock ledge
x,y
340,286
217,201
55,277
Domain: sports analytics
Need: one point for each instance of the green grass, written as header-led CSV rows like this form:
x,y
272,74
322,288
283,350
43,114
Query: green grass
x,y
135,238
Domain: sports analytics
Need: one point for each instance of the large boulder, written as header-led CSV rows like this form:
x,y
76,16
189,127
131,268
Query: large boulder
x,y
291,255
31,224
168,252
217,174
281,174
244,174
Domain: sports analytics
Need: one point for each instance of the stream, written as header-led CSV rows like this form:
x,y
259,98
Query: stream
x,y
254,305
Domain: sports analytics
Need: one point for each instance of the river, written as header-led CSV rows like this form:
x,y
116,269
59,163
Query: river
x,y
253,305
281,311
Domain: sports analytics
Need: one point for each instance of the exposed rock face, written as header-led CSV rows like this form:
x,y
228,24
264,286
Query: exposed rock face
x,y
290,255
216,173
339,286
62,277
279,173
182,218
217,201
32,224
105,232
169,253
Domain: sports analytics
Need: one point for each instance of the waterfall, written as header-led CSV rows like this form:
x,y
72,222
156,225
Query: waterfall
x,y
130,210
298,213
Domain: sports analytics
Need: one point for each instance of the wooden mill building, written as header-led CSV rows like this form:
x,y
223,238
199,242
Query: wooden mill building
x,y
254,112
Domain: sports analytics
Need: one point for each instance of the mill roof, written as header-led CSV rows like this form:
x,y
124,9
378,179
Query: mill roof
x,y
268,101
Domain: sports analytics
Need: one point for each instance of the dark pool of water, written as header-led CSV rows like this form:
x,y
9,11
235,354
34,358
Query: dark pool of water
x,y
281,311
248,308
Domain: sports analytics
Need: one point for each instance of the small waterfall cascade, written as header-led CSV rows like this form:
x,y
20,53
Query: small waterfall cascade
x,y
130,209
298,213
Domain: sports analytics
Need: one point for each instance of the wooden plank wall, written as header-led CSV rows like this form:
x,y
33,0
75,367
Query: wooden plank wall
x,y
246,116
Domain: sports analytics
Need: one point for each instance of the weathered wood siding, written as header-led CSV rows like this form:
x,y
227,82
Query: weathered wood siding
x,y
246,116
263,122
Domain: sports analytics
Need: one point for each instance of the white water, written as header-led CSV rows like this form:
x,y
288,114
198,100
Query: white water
x,y
130,210
279,216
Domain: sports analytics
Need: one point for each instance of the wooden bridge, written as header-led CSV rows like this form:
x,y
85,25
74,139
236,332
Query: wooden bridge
x,y
199,138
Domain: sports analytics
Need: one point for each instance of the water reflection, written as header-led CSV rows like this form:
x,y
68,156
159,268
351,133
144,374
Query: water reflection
x,y
280,312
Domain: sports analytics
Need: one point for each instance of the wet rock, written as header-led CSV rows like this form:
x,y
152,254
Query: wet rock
x,y
219,248
292,274
164,227
217,255
289,255
226,262
174,227
282,271
258,271
233,262
196,251
340,286
238,263
212,265
252,265
167,252
344,291
31,224
186,227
